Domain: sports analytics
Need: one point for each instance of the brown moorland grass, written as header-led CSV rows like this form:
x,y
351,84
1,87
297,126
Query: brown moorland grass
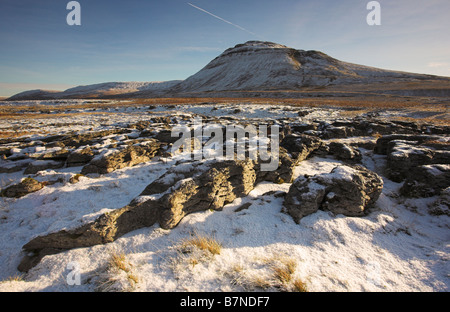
x,y
5,134
15,116
350,106
386,102
383,102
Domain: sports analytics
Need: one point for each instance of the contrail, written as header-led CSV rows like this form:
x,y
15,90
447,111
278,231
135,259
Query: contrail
x,y
224,20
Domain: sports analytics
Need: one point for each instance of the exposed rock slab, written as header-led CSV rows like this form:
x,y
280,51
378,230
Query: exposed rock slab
x,y
80,157
127,157
345,152
182,191
347,190
26,186
301,146
426,181
406,152
442,205
39,165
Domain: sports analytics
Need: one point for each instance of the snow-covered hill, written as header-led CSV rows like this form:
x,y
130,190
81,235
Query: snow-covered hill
x,y
258,65
253,66
97,90
122,87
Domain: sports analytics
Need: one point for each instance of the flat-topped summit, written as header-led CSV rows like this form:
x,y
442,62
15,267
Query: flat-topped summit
x,y
258,45
262,66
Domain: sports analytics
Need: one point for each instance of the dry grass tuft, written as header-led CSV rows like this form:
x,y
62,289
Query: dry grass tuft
x,y
299,286
248,279
191,252
283,270
118,261
117,275
273,273
201,242
14,278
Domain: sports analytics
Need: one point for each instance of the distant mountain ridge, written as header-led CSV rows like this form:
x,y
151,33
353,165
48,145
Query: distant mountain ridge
x,y
100,90
252,66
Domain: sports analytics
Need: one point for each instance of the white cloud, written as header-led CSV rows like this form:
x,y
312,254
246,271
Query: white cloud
x,y
438,64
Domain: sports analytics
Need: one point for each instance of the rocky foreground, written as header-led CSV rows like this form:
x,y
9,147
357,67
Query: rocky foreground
x,y
417,156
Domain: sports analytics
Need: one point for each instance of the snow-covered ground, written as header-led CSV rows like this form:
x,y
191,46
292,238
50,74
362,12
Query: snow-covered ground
x,y
399,246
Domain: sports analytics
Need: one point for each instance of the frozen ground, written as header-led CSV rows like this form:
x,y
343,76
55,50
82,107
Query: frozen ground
x,y
399,246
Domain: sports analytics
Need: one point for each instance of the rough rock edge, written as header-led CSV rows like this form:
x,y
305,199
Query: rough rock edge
x,y
349,192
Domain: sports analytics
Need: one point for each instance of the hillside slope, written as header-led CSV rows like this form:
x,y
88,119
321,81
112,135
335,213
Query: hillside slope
x,y
99,90
257,66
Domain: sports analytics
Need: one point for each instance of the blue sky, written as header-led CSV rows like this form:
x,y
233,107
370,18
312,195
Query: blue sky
x,y
164,40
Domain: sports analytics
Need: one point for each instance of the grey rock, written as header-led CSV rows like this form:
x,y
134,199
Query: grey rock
x,y
404,152
166,136
127,157
349,190
300,146
403,156
206,186
332,132
383,144
60,155
284,172
14,166
345,152
77,140
80,157
426,181
26,186
39,165
219,185
442,205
